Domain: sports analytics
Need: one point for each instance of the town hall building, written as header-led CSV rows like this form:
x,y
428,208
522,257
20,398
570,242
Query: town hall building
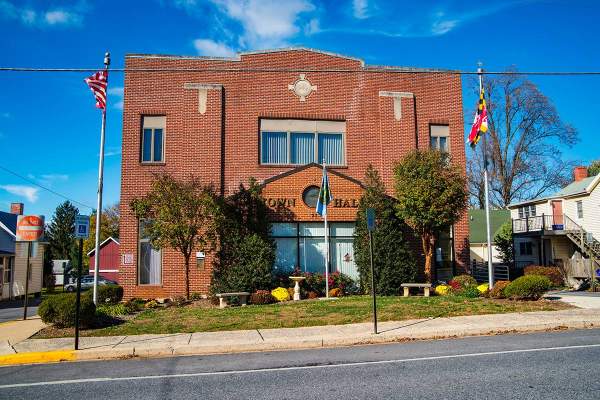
x,y
275,115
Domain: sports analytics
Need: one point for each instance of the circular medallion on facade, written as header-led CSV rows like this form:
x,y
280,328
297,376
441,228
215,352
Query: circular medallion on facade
x,y
302,87
310,196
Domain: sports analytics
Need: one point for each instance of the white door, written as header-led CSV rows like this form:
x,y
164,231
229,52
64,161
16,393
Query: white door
x,y
343,257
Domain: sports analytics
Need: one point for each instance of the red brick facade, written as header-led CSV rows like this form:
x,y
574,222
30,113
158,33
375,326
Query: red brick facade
x,y
222,144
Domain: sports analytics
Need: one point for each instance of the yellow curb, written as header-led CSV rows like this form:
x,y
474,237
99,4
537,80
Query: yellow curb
x,y
38,357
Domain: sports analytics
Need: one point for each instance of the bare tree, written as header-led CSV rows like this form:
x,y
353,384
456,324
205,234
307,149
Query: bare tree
x,y
524,142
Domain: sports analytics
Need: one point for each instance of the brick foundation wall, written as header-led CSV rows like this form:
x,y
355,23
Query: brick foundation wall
x,y
222,145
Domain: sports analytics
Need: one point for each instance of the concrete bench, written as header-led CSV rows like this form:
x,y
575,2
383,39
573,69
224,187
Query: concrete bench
x,y
425,286
224,296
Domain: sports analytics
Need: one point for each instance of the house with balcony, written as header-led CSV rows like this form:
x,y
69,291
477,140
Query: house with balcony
x,y
562,229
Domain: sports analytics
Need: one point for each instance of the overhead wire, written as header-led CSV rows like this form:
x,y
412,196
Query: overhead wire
x,y
45,188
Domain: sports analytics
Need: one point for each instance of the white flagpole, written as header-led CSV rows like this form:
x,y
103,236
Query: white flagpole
x,y
100,187
326,238
487,197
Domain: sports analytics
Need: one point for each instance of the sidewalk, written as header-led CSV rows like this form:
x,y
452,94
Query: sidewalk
x,y
201,343
17,331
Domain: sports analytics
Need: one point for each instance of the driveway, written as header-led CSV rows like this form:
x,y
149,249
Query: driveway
x,y
578,299
13,309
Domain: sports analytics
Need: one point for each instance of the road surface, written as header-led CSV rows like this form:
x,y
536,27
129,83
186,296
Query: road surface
x,y
560,365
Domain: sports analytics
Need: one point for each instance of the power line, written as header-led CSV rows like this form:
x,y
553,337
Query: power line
x,y
398,70
45,188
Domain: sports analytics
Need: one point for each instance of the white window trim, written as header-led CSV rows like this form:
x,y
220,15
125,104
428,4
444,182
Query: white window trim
x,y
579,208
437,135
153,123
290,126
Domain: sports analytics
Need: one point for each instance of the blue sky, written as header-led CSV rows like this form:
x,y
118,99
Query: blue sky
x,y
49,128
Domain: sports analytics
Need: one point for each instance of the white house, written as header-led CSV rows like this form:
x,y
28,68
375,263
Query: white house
x,y
562,229
13,258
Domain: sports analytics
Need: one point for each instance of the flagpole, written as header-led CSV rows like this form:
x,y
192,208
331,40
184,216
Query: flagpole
x,y
326,240
487,197
100,188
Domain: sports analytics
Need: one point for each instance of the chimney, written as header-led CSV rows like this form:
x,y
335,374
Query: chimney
x,y
16,208
580,173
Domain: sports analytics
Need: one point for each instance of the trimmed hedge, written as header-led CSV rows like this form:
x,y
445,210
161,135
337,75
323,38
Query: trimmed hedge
x,y
552,273
497,291
60,310
528,287
110,294
262,297
465,280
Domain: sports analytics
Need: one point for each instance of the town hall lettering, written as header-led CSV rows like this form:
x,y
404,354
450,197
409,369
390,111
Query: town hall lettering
x,y
291,202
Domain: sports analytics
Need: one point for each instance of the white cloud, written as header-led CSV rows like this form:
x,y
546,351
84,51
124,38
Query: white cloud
x,y
29,192
265,23
443,27
112,151
312,27
48,179
42,18
360,9
208,47
116,96
61,17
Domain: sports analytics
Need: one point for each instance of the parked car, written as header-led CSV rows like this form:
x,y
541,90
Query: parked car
x,y
87,282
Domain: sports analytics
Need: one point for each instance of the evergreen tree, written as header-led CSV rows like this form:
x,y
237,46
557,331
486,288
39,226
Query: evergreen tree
x,y
393,262
247,252
61,236
504,242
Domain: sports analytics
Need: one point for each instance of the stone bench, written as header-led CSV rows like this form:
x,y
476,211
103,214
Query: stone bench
x,y
224,296
425,286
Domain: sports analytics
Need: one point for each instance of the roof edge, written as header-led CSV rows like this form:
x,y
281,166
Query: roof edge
x,y
89,253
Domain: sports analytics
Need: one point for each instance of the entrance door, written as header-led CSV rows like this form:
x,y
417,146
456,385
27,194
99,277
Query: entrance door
x,y
557,214
343,257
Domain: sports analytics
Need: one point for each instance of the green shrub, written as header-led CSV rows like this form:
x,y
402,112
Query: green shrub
x,y
392,257
262,297
465,280
314,283
528,287
251,269
112,310
110,294
552,273
134,305
179,301
497,291
196,296
470,292
60,310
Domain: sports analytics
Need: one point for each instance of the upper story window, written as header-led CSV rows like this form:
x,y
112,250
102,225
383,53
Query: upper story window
x,y
299,142
579,209
527,211
153,139
439,136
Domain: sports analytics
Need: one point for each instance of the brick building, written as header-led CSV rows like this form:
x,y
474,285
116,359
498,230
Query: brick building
x,y
274,115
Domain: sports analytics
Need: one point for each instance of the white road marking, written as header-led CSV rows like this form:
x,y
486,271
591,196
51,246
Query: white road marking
x,y
308,367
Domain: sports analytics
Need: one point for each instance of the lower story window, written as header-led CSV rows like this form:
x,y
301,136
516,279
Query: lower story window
x,y
302,245
6,265
150,258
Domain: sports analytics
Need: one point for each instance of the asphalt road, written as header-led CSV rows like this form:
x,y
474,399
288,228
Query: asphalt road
x,y
559,365
12,310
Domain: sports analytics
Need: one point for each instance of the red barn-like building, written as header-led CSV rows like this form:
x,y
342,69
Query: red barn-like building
x,y
109,259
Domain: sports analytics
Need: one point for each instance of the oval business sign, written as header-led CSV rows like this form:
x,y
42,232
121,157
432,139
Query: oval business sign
x,y
30,228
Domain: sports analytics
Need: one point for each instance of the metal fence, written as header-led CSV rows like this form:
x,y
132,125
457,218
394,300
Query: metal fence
x,y
479,271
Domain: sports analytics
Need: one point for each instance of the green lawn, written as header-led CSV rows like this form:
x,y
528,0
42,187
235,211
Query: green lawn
x,y
344,310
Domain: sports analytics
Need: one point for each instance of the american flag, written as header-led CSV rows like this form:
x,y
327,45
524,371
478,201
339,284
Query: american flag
x,y
97,84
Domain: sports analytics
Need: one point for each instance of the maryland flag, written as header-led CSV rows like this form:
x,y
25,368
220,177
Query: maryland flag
x,y
480,123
